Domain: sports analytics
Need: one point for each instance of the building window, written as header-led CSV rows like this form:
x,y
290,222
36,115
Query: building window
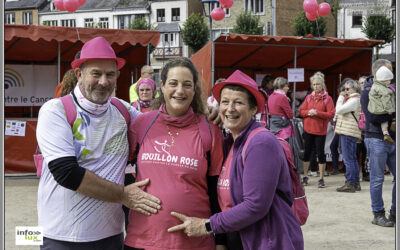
x,y
68,23
124,21
9,18
50,22
176,16
169,40
52,7
89,23
255,6
357,20
161,15
27,17
103,22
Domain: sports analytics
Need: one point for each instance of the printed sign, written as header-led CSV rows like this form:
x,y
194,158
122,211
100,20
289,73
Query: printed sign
x,y
15,128
29,85
296,75
29,236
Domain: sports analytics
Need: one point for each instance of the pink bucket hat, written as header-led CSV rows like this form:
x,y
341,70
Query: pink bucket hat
x,y
245,81
97,48
147,81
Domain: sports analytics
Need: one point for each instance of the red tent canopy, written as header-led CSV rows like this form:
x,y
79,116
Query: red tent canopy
x,y
30,44
274,54
39,45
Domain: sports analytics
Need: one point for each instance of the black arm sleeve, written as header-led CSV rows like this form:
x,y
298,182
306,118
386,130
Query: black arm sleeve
x,y
67,172
220,239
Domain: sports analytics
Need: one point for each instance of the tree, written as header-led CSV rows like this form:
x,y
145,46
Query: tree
x,y
140,24
379,28
246,23
195,32
302,26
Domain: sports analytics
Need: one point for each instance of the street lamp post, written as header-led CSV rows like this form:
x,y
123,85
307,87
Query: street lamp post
x,y
208,6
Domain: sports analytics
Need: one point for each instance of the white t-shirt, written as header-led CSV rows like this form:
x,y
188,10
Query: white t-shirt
x,y
100,144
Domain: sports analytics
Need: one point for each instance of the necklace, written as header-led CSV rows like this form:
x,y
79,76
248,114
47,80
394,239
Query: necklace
x,y
172,135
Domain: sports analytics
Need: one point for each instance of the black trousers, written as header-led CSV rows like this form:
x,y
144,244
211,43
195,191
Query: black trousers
x,y
111,243
319,141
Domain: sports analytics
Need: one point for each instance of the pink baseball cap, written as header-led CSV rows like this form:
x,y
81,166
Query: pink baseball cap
x,y
147,81
245,81
97,48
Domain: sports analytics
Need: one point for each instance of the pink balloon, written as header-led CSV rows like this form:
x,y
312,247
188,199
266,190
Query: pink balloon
x,y
311,16
59,5
324,9
310,6
81,2
217,14
71,5
226,3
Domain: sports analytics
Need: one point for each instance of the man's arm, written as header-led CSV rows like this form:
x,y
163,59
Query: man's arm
x,y
131,196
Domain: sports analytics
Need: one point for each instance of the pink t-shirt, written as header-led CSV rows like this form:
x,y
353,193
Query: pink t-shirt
x,y
224,196
177,175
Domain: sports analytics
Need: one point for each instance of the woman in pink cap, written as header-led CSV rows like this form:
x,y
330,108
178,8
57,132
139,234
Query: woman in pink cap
x,y
181,154
254,187
146,92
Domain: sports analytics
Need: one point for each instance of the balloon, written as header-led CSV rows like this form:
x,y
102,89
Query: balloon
x,y
324,9
59,5
226,3
310,6
217,14
311,16
71,5
81,2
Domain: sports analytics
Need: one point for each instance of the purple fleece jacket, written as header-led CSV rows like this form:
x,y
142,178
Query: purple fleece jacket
x,y
263,219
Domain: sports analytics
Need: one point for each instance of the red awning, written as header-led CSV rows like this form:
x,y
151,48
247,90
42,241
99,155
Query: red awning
x,y
274,54
38,44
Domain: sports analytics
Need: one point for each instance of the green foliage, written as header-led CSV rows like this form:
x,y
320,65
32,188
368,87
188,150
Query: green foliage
x,y
249,24
302,26
195,32
140,24
379,28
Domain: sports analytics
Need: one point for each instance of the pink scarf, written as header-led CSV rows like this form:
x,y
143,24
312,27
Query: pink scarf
x,y
180,121
319,96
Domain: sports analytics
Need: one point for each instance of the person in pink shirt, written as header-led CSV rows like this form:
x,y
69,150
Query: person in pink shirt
x,y
182,172
280,110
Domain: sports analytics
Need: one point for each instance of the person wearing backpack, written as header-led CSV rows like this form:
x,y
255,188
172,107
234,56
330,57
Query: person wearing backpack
x,y
348,108
181,153
317,110
254,188
81,187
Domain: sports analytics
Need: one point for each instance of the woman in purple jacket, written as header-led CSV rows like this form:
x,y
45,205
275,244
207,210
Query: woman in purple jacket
x,y
253,215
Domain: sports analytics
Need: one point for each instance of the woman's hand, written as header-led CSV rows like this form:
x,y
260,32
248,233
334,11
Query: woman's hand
x,y
312,112
191,226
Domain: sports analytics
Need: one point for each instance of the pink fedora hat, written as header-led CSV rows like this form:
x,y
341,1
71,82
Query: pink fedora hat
x,y
97,48
245,81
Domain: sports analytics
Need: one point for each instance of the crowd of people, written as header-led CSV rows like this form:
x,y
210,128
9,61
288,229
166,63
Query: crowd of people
x,y
177,167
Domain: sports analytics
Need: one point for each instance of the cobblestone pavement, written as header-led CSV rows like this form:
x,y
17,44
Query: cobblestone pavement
x,y
337,220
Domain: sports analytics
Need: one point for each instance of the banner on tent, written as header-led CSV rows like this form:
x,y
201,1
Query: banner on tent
x,y
29,85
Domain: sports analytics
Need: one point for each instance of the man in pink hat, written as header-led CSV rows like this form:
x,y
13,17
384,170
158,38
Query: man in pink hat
x,y
81,188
